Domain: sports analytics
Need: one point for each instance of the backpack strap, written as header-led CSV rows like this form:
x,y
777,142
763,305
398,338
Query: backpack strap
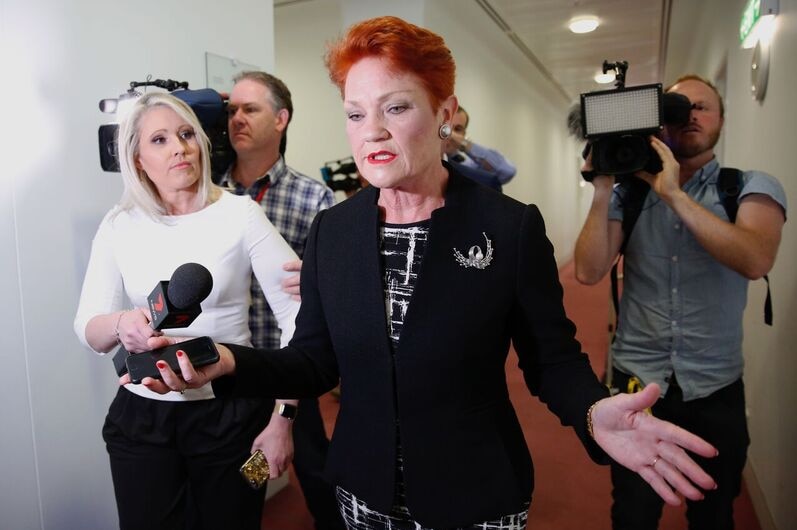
x,y
729,186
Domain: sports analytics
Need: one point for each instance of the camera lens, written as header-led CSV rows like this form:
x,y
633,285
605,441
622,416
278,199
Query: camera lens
x,y
624,155
614,155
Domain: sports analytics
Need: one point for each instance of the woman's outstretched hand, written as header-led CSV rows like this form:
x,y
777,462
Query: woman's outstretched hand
x,y
654,448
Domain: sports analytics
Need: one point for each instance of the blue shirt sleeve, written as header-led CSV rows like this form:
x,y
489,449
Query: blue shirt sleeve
x,y
763,183
503,169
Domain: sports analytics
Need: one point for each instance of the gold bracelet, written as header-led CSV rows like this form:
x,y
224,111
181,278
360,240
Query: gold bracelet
x,y
116,328
589,420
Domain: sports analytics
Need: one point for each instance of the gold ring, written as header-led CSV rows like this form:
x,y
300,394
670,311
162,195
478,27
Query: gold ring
x,y
654,462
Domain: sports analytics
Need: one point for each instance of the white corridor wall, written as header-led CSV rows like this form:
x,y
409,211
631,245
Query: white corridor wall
x,y
59,59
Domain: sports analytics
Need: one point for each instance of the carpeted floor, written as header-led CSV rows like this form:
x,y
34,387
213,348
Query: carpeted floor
x,y
571,492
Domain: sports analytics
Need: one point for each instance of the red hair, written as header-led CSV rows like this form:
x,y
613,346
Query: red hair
x,y
405,46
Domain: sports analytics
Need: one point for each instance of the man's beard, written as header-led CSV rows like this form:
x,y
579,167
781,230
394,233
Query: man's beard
x,y
691,147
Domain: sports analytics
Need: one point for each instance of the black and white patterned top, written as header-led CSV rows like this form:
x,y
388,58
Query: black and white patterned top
x,y
401,247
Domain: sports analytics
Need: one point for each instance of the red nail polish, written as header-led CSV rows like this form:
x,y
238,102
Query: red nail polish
x,y
180,353
161,365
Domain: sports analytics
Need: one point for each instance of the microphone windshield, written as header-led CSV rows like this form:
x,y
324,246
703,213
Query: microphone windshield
x,y
574,125
190,284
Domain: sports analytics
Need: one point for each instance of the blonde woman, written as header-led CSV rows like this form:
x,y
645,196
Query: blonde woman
x,y
171,213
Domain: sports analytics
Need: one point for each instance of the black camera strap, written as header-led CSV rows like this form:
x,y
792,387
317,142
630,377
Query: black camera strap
x,y
633,199
634,191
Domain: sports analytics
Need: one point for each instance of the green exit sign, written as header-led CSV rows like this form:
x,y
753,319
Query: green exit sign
x,y
753,17
750,15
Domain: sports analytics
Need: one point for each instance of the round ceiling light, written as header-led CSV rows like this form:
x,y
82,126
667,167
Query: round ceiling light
x,y
602,78
584,24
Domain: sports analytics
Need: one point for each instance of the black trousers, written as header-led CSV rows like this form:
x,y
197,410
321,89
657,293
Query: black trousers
x,y
720,420
175,465
310,454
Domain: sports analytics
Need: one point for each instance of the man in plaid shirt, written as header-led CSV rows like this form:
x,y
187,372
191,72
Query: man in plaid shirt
x,y
259,111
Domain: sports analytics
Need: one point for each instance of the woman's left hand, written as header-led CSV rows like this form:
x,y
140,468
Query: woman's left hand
x,y
651,447
189,377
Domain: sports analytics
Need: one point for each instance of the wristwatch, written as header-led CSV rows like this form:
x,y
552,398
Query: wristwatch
x,y
286,410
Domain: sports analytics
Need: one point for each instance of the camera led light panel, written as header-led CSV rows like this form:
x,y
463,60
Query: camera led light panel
x,y
626,110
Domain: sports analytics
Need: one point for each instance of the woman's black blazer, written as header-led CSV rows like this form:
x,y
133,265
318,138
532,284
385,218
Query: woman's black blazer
x,y
465,458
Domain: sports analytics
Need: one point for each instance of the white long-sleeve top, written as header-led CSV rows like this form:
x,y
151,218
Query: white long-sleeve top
x,y
232,237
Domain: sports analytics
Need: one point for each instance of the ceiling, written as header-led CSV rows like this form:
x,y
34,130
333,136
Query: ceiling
x,y
635,31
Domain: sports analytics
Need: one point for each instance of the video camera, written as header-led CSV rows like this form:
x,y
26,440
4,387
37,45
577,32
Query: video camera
x,y
207,104
616,124
341,175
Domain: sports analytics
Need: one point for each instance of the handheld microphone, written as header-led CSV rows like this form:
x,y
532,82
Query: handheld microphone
x,y
174,303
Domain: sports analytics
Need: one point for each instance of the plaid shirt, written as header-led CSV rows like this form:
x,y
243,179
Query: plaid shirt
x,y
291,202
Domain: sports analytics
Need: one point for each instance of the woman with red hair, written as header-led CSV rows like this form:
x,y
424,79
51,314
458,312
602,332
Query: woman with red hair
x,y
412,292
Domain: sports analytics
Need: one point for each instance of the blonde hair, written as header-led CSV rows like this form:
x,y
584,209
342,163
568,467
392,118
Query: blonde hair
x,y
140,192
